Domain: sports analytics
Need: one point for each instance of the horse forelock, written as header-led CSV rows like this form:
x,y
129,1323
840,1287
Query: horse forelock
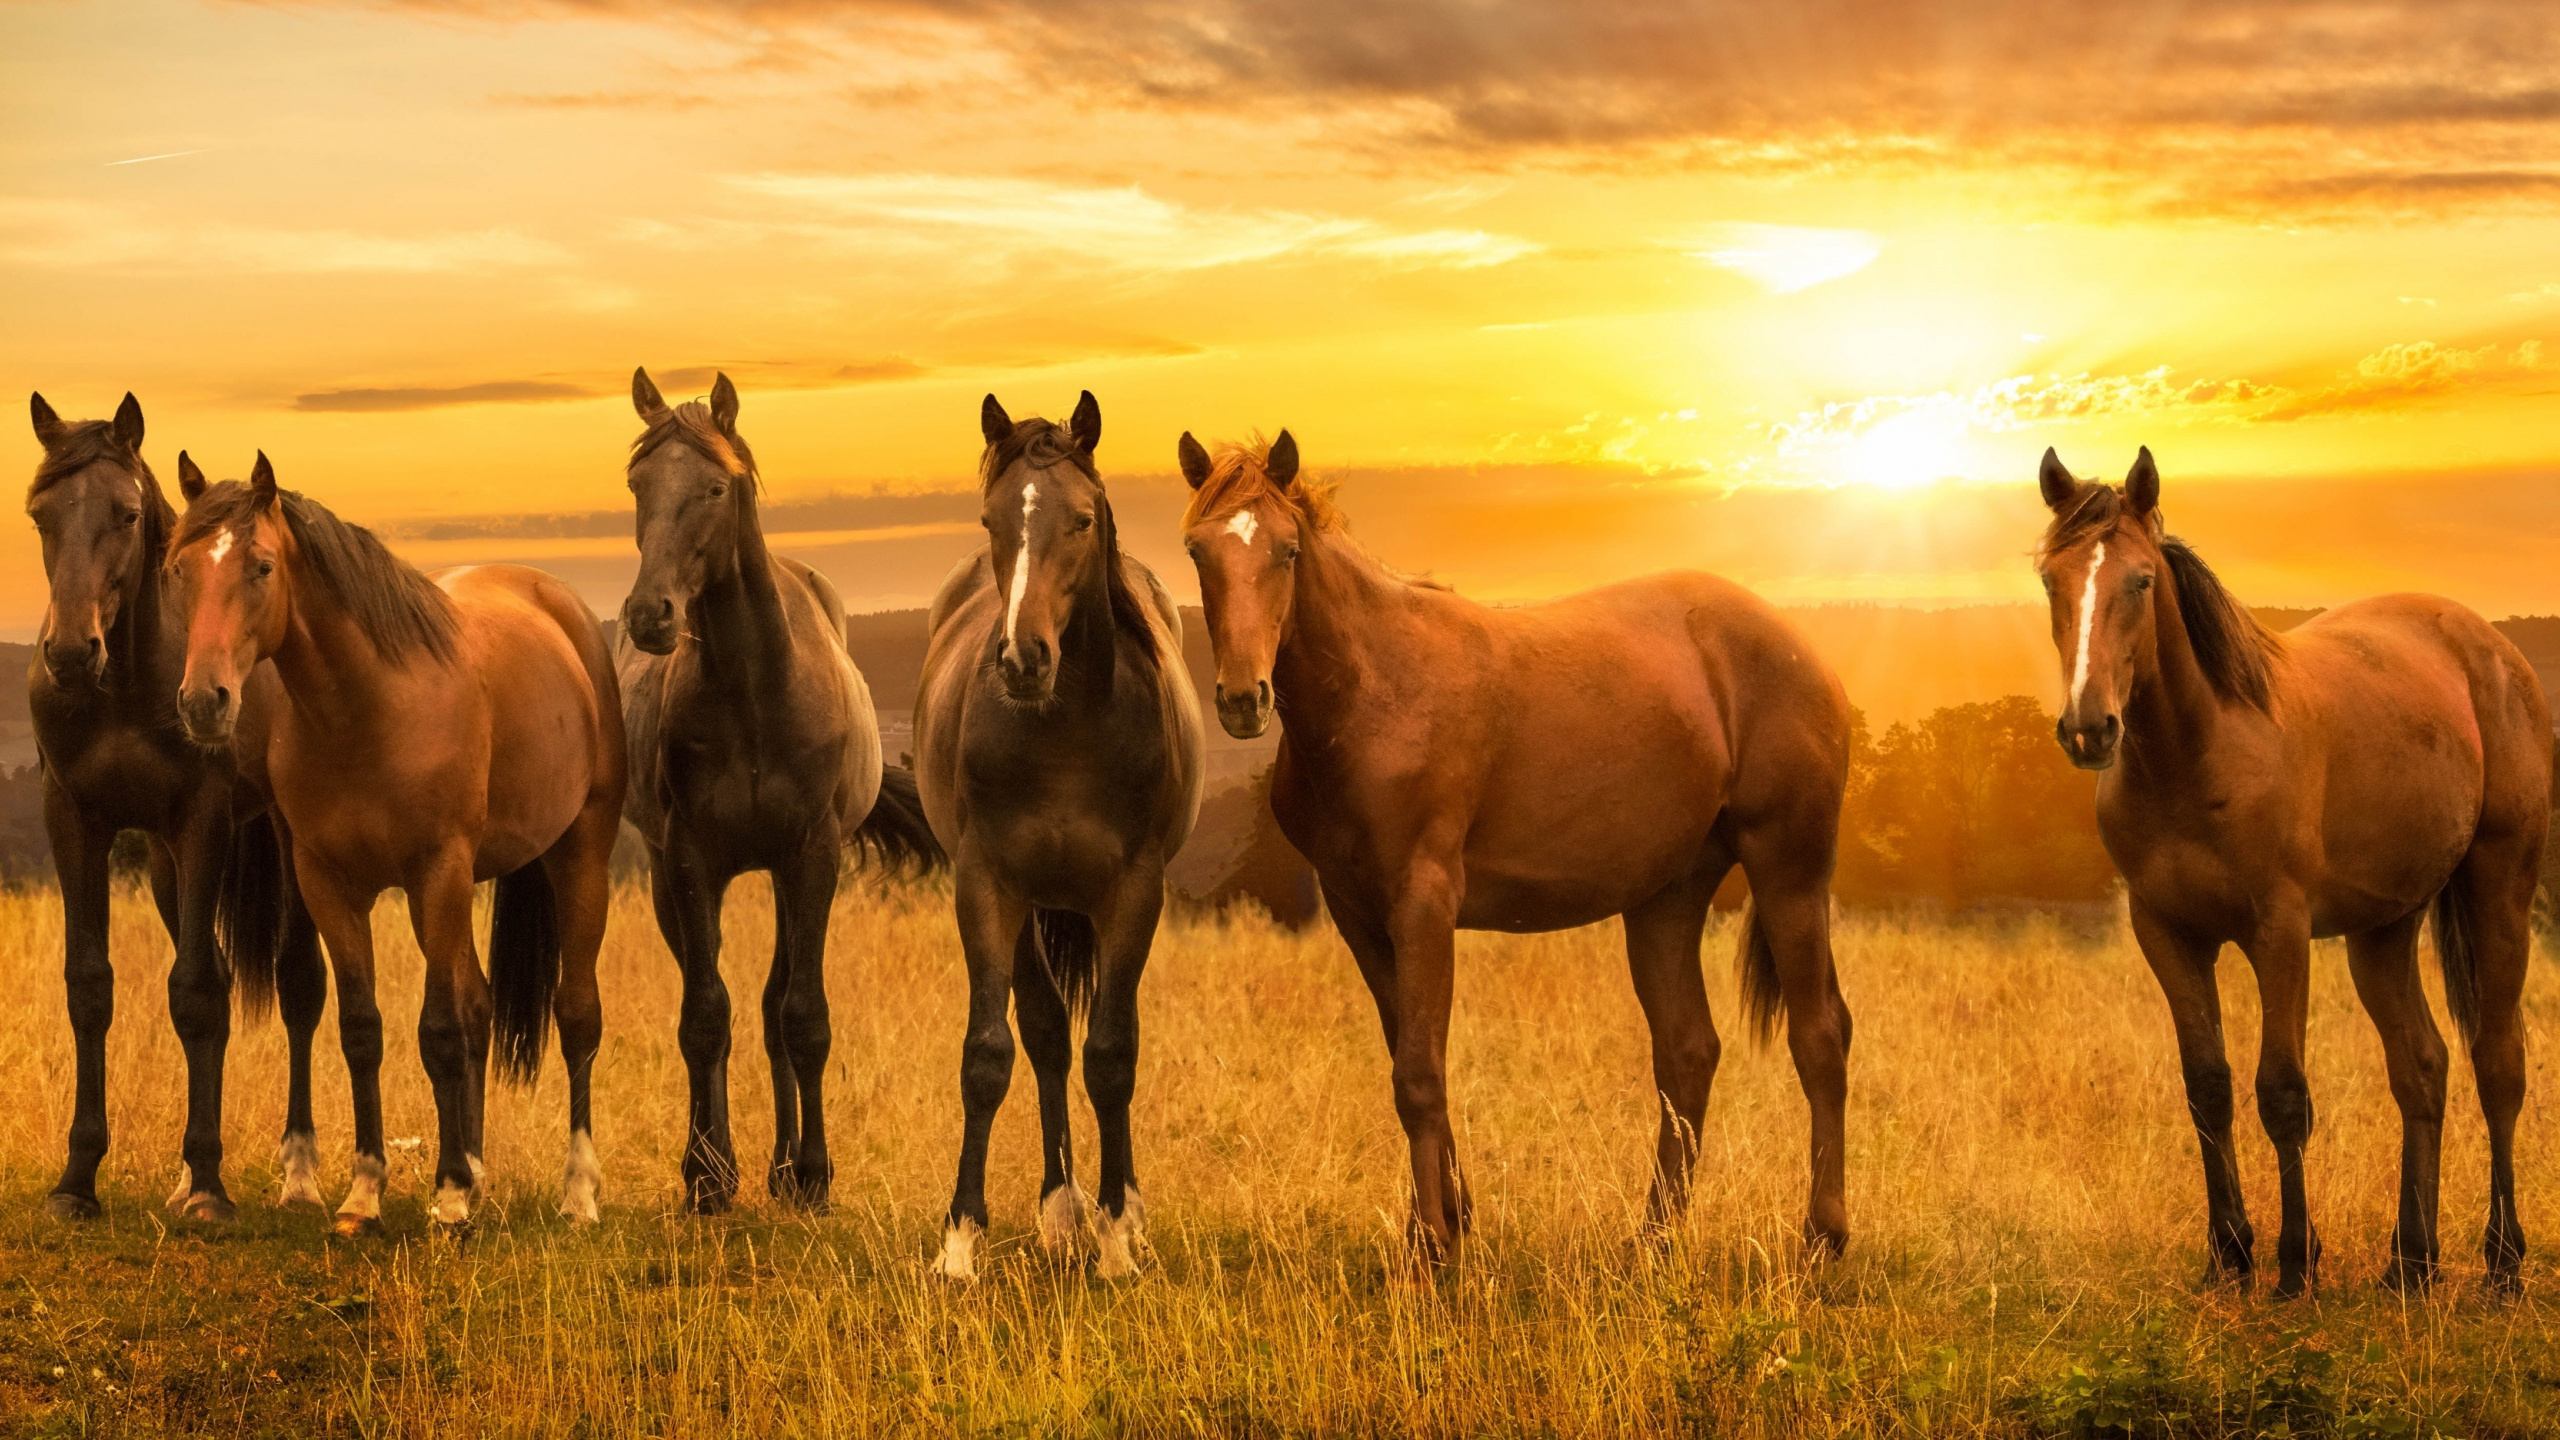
x,y
692,426
84,443
1038,443
1240,478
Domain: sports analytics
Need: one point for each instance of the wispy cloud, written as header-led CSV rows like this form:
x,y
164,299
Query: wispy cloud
x,y
2418,372
147,159
70,234
1783,259
757,374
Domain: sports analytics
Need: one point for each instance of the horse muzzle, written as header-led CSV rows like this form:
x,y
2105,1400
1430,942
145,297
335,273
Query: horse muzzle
x,y
1029,670
208,712
2091,746
1245,714
652,628
71,663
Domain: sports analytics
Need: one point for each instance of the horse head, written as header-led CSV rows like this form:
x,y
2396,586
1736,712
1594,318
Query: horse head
x,y
1245,532
98,514
1050,538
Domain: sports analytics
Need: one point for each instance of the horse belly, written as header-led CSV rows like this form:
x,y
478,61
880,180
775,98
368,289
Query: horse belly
x,y
1572,832
542,750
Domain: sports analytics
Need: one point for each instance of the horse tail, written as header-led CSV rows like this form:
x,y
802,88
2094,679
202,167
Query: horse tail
x,y
524,966
2458,951
1068,946
896,833
249,912
1756,966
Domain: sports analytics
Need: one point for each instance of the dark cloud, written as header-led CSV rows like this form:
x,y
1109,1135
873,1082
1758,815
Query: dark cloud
x,y
765,374
495,392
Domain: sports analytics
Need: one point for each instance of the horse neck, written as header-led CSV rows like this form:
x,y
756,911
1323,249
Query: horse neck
x,y
738,614
329,666
1343,627
2171,711
1089,649
141,660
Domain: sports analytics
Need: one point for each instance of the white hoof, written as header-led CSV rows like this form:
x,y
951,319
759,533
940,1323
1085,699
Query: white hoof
x,y
583,1182
452,1206
1121,1244
958,1258
477,1169
186,1187
298,1159
361,1211
1061,1215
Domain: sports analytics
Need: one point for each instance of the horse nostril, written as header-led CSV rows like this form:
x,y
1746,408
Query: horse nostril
x,y
221,697
1262,693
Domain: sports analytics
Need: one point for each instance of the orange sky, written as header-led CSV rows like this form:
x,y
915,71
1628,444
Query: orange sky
x,y
1564,290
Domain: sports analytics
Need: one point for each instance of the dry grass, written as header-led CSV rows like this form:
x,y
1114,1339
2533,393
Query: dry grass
x,y
2023,1187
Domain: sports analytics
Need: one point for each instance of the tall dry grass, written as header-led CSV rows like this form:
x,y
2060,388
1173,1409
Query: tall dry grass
x,y
2023,1188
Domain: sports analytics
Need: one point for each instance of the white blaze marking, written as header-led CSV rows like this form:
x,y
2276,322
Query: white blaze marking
x,y
1021,559
2088,616
1242,525
221,546
955,1262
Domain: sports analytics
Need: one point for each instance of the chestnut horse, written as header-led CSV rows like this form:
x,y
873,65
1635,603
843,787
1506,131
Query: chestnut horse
x,y
1450,766
103,692
753,747
425,735
1059,751
2383,759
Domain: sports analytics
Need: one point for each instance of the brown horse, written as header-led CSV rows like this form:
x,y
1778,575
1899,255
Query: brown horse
x,y
1446,766
103,693
424,735
1059,751
2386,757
753,747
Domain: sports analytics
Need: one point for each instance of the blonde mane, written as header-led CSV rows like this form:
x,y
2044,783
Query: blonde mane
x,y
1238,478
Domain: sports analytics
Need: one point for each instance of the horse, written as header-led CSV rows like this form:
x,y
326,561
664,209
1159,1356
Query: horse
x,y
1059,754
1446,765
102,690
753,746
423,734
2386,760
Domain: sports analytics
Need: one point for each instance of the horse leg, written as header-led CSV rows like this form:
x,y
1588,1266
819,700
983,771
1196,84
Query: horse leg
x,y
1424,931
453,1031
804,894
1124,932
1662,956
89,988
200,1005
2184,966
991,924
578,865
345,922
687,899
2385,965
1372,950
1040,1013
1791,906
2281,953
2498,881
302,991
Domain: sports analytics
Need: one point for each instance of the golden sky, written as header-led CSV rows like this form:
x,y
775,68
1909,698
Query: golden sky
x,y
1562,290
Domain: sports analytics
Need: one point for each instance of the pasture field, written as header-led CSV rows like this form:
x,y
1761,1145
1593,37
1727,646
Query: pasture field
x,y
2023,1188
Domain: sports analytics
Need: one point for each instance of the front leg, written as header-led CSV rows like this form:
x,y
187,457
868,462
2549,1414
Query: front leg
x,y
991,921
89,990
804,893
1124,930
1423,925
344,917
453,1030
2184,966
687,894
200,1004
2281,952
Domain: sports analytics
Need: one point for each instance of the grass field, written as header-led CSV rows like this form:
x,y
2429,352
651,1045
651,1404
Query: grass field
x,y
2022,1185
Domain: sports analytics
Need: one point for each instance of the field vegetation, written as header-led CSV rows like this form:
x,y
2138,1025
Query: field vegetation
x,y
2023,1188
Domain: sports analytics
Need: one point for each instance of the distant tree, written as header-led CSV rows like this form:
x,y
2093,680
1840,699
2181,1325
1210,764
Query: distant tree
x,y
1973,803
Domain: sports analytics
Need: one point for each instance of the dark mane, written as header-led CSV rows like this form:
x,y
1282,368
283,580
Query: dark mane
x,y
690,425
2235,652
399,609
1045,444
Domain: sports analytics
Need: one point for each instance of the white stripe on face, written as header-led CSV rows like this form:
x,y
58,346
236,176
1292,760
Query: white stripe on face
x,y
1242,525
221,546
2088,617
1021,559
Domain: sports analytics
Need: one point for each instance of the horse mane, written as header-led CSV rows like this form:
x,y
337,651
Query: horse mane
x,y
1044,443
2233,649
690,425
1239,476
86,442
397,608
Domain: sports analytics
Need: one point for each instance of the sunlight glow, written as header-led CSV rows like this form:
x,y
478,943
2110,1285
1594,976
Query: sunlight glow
x,y
1783,259
1905,452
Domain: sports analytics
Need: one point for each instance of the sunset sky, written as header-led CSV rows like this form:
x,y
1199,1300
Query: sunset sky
x,y
1562,290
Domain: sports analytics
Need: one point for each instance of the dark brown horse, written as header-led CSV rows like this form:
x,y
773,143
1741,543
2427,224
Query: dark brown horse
x,y
1448,766
423,735
2387,757
753,747
1059,751
103,692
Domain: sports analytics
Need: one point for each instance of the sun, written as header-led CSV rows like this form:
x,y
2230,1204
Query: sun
x,y
1905,452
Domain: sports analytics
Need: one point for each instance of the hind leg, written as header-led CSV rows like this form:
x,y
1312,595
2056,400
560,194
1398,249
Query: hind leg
x,y
578,866
2499,881
991,922
804,898
1791,905
1124,931
2385,965
1662,955
302,992
686,892
1048,1041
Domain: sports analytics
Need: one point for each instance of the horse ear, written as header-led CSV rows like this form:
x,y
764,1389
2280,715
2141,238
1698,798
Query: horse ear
x,y
2054,481
1195,460
724,403
1086,423
992,421
48,424
1282,463
190,479
128,425
262,481
645,397
2142,485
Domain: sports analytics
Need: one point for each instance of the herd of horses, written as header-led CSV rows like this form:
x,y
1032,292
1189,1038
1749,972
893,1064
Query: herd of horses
x,y
299,721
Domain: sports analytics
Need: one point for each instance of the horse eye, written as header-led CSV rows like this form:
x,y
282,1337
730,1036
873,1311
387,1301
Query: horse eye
x,y
1289,553
2140,584
132,518
266,568
719,490
1084,522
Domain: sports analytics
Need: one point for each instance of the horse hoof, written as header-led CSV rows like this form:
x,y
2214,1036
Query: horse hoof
x,y
2409,1276
63,1205
958,1260
1061,1216
453,1232
1120,1242
209,1208
713,1202
356,1227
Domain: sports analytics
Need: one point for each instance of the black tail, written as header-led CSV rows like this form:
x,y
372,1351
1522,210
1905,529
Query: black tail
x,y
895,832
524,965
1068,946
2457,953
1756,966
249,913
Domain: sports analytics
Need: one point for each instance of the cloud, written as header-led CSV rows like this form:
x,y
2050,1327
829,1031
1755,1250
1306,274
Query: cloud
x,y
2417,372
755,374
1783,259
495,392
73,234
2022,402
